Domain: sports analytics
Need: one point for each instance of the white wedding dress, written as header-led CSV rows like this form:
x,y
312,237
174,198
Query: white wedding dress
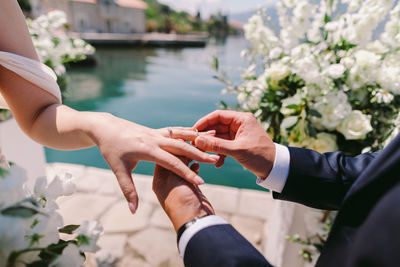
x,y
31,70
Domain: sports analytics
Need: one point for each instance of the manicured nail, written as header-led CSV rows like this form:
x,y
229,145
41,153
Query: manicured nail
x,y
214,157
198,180
201,142
211,132
132,207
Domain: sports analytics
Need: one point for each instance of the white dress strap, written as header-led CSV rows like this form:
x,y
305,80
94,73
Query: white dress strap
x,y
31,70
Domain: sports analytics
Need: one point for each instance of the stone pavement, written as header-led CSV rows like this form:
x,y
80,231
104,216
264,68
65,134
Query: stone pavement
x,y
148,238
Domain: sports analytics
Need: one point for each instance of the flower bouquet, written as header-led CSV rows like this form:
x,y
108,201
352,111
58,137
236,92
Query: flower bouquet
x,y
328,78
30,225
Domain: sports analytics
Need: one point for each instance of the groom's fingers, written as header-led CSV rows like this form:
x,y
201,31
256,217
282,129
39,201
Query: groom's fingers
x,y
186,134
224,117
216,145
172,163
124,177
177,147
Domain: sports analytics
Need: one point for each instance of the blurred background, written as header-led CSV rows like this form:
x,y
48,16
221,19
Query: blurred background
x,y
153,65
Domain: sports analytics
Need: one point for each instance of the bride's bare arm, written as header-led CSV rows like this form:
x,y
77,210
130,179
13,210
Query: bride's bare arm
x,y
44,119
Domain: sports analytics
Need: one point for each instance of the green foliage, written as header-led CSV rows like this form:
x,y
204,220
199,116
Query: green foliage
x,y
25,5
312,245
69,229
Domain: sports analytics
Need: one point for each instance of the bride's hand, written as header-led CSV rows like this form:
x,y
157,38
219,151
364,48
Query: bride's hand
x,y
123,144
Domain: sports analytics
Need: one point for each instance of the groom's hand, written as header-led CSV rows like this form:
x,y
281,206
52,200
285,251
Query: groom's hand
x,y
181,200
240,136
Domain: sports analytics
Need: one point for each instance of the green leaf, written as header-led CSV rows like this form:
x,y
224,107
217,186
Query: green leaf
x,y
223,104
315,113
327,18
215,63
83,240
68,229
19,211
311,131
292,106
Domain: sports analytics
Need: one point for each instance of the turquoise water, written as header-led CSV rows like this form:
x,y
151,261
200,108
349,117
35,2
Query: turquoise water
x,y
157,88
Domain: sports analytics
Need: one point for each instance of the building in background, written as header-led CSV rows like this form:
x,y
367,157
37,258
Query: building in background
x,y
102,16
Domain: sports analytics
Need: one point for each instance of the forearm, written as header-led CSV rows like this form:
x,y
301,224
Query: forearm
x,y
321,180
60,127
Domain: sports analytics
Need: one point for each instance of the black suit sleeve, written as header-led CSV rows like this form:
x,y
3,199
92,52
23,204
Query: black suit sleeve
x,y
321,180
221,246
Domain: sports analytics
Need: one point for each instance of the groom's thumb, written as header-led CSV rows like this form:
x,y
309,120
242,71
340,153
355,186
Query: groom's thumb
x,y
215,144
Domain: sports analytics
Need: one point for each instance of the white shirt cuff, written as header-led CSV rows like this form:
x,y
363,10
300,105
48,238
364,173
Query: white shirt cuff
x,y
276,180
195,228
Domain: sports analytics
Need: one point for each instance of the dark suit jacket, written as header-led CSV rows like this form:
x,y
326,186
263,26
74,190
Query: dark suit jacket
x,y
366,191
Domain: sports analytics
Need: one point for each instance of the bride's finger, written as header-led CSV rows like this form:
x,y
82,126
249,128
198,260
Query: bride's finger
x,y
124,177
180,148
184,133
172,163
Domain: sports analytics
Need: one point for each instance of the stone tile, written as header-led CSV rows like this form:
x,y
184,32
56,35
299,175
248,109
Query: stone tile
x,y
50,171
112,248
160,219
88,184
176,262
250,228
81,207
255,204
157,246
143,184
225,216
119,219
74,169
132,262
222,198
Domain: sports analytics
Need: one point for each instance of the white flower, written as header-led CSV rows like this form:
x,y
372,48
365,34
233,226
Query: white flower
x,y
275,52
287,123
70,257
277,71
382,96
355,126
11,237
333,107
335,71
90,231
294,100
12,188
323,143
61,185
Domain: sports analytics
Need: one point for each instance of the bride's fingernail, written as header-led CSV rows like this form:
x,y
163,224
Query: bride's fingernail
x,y
214,157
211,132
132,207
198,180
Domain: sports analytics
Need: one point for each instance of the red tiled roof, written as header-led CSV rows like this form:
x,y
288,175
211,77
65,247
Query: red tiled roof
x,y
132,3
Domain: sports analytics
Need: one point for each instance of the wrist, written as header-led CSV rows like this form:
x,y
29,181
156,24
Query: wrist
x,y
181,216
94,123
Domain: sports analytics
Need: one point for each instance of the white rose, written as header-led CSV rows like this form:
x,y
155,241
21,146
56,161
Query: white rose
x,y
333,108
335,71
355,126
323,143
278,71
